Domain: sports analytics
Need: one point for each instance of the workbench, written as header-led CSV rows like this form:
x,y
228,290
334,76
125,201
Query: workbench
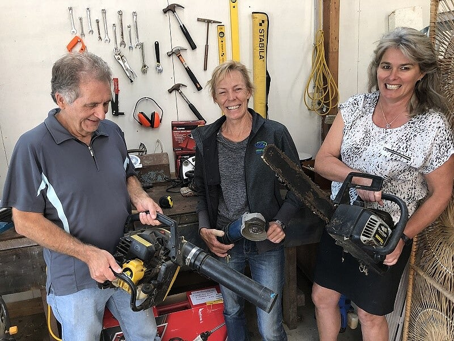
x,y
22,266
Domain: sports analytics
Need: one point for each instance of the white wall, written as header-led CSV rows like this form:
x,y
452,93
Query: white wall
x,y
33,34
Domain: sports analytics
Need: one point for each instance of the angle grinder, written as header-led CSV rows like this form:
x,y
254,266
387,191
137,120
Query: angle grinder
x,y
367,234
251,226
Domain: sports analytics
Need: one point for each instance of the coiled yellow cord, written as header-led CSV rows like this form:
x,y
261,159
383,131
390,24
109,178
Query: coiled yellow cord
x,y
49,313
325,94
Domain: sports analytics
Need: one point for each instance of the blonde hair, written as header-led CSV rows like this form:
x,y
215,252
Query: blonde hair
x,y
222,70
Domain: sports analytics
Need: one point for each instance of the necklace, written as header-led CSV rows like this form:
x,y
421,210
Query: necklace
x,y
388,124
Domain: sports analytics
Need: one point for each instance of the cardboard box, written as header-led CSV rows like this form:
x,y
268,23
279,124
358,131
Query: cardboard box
x,y
180,157
155,168
183,316
181,135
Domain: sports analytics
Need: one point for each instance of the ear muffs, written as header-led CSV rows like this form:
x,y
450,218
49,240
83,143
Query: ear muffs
x,y
151,122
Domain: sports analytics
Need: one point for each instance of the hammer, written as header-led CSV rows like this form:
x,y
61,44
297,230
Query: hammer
x,y
172,8
177,50
191,106
208,22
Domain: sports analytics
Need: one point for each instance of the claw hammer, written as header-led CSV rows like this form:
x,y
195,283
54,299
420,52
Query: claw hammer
x,y
177,51
173,7
177,87
208,22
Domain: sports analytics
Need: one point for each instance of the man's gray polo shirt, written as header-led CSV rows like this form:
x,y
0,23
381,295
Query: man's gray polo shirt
x,y
79,188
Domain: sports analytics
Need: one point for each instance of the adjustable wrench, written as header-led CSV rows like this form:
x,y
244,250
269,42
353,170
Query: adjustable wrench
x,y
134,18
90,29
122,37
73,27
106,38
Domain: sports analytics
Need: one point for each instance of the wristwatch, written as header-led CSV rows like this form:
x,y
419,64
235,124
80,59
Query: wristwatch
x,y
280,223
407,241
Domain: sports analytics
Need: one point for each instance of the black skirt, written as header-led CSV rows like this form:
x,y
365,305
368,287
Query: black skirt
x,y
339,271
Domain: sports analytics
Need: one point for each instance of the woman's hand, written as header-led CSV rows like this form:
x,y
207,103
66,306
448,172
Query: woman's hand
x,y
209,236
393,257
275,233
370,196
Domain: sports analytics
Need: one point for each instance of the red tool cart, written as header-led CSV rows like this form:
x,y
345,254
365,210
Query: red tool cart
x,y
191,316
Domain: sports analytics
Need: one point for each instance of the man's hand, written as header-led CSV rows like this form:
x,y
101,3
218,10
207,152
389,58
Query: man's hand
x,y
101,264
210,238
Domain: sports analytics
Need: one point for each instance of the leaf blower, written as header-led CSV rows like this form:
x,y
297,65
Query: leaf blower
x,y
151,259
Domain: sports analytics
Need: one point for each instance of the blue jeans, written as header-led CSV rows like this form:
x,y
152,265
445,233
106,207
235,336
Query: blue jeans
x,y
80,315
267,269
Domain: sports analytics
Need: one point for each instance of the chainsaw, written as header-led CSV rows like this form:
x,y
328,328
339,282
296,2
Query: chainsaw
x,y
152,257
367,234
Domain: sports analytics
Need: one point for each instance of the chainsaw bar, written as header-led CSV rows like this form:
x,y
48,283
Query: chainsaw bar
x,y
294,177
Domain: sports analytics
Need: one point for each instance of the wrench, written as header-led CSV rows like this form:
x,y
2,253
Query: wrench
x,y
130,38
90,28
134,18
106,38
122,37
99,30
144,66
73,27
116,49
82,34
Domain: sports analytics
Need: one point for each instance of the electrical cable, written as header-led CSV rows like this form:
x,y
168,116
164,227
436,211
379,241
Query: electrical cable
x,y
325,94
49,326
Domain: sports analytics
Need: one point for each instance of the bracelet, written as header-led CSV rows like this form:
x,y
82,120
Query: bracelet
x,y
404,237
280,223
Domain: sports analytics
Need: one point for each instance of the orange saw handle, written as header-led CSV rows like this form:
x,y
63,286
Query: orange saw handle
x,y
74,42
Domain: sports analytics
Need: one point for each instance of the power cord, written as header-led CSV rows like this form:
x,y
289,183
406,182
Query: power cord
x,y
325,94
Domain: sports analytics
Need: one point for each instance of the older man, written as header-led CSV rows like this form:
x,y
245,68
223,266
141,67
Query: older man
x,y
70,185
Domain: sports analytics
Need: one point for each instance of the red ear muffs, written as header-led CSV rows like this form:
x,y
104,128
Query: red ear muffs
x,y
151,122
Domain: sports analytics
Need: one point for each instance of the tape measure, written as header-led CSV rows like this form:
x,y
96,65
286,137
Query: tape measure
x,y
166,201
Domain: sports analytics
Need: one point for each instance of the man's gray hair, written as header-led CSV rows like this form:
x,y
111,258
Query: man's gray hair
x,y
70,69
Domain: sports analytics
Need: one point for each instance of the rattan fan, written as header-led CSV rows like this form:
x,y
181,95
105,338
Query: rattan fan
x,y
442,34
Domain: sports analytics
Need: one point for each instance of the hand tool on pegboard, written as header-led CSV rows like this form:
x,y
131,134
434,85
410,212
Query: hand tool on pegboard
x,y
115,102
177,87
172,8
159,68
177,51
74,41
208,22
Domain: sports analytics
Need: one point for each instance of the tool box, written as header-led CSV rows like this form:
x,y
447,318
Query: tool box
x,y
189,316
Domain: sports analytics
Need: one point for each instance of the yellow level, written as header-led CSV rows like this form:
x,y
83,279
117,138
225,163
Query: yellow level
x,y
235,30
221,44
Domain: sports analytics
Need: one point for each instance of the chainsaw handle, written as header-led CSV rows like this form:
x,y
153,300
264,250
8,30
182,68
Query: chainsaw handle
x,y
398,229
375,186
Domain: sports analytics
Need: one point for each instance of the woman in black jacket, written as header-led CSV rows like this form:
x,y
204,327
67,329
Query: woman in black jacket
x,y
231,180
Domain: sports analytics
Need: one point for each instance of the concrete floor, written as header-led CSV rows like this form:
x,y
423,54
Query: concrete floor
x,y
307,325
